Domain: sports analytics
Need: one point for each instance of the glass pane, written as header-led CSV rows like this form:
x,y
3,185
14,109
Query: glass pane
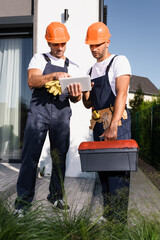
x,y
15,54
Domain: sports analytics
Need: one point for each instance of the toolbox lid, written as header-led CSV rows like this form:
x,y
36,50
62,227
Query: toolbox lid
x,y
129,143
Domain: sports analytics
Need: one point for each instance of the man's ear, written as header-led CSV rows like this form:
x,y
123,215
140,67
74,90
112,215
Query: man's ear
x,y
49,44
108,43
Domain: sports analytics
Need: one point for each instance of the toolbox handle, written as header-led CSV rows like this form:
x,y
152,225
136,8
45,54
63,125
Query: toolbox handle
x,y
101,138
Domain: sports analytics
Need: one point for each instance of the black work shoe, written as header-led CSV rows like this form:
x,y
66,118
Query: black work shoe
x,y
61,204
20,213
50,199
105,215
21,204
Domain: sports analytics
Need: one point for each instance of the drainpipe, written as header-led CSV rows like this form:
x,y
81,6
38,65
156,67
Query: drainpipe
x,y
102,12
101,4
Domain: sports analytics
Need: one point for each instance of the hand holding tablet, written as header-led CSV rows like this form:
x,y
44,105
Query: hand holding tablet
x,y
85,82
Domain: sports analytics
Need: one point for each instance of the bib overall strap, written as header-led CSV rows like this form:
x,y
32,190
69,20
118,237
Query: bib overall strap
x,y
90,72
108,67
46,57
66,62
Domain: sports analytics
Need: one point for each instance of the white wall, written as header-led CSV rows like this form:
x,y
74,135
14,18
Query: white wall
x,y
82,13
146,98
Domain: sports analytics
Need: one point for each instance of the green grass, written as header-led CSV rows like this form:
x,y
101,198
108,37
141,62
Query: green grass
x,y
45,224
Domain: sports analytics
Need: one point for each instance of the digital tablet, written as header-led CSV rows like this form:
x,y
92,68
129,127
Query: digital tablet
x,y
85,82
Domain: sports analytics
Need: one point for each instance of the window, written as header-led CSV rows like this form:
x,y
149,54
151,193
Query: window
x,y
15,54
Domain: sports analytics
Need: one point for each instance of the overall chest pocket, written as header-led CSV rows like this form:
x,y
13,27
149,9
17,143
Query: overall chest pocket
x,y
101,93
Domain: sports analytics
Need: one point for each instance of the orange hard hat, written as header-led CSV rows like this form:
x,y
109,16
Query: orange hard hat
x,y
56,32
97,33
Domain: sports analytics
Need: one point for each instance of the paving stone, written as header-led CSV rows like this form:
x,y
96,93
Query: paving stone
x,y
79,191
8,178
144,197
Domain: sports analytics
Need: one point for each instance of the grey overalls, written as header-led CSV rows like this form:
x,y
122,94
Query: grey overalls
x,y
102,97
47,113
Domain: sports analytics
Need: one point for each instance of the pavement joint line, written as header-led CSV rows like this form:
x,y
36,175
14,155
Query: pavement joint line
x,y
10,167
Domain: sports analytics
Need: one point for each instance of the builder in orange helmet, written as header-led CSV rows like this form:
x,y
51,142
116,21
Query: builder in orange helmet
x,y
110,77
49,112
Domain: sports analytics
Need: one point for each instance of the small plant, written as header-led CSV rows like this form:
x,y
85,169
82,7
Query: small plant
x,y
42,223
42,172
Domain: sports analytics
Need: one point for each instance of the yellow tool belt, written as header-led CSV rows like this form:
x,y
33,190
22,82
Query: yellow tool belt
x,y
104,116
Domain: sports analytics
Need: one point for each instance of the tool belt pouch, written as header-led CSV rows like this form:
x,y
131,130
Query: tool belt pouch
x,y
104,116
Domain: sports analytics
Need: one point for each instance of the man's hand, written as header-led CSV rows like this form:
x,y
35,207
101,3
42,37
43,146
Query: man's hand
x,y
110,133
37,80
74,89
58,75
75,92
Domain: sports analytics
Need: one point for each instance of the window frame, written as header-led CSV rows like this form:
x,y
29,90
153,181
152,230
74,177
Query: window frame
x,y
12,26
20,26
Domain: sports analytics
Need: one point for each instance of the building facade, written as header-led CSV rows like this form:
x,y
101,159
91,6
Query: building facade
x,y
148,88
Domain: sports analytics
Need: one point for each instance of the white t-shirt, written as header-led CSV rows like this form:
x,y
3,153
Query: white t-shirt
x,y
120,66
38,61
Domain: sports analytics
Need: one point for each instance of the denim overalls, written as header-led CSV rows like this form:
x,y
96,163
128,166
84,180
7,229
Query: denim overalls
x,y
102,97
48,113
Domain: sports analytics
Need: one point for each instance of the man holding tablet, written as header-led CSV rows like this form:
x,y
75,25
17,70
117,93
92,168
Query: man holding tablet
x,y
110,77
48,113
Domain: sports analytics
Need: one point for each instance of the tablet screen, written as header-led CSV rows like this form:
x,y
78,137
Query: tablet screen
x,y
85,82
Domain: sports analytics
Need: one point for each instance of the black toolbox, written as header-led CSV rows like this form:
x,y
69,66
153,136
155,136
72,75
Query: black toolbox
x,y
118,155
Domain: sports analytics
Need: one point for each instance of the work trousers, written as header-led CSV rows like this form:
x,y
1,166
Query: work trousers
x,y
50,116
115,184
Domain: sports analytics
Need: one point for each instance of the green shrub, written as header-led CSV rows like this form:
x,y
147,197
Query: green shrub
x,y
55,225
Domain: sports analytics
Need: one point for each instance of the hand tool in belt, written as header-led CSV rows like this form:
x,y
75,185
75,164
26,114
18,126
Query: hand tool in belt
x,y
104,116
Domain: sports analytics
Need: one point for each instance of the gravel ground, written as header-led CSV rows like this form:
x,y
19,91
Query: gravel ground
x,y
150,172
